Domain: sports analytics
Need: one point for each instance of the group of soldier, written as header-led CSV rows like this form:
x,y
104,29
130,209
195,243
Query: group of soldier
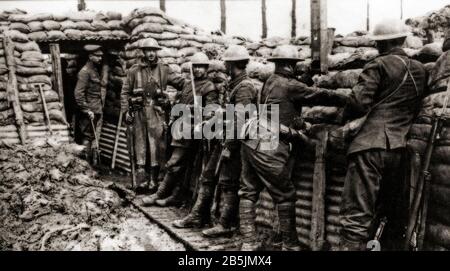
x,y
388,95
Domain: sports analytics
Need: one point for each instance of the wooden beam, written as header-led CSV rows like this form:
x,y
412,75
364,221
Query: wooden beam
x,y
81,5
317,234
12,90
294,19
57,74
264,19
319,35
223,16
162,5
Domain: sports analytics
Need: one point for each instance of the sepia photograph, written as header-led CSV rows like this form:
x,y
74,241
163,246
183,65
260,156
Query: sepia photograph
x,y
224,125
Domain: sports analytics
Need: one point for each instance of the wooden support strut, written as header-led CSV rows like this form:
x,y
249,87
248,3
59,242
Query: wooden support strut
x,y
319,35
12,90
317,234
57,74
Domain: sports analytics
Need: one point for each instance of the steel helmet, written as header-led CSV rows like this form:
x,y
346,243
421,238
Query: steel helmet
x,y
149,43
93,49
200,58
390,29
284,52
236,53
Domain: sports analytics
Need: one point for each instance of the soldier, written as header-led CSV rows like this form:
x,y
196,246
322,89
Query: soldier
x,y
143,100
240,92
389,92
184,149
88,96
270,169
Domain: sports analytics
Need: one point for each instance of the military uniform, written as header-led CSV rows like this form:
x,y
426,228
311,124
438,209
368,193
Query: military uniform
x,y
375,155
89,97
241,91
271,169
184,150
150,121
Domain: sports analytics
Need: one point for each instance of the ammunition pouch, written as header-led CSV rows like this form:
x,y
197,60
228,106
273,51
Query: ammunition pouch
x,y
136,100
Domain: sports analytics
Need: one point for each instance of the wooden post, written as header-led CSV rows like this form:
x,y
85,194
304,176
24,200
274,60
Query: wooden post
x,y
294,19
264,19
317,234
401,9
57,74
12,90
162,5
223,16
368,16
319,35
81,5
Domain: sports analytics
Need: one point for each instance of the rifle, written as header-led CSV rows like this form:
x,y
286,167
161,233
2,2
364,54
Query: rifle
x,y
135,103
374,245
95,160
130,145
415,232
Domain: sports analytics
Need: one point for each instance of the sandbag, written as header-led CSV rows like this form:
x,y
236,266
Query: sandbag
x,y
3,95
36,79
169,60
16,36
9,113
27,71
38,107
362,41
264,52
4,105
20,27
99,25
105,34
115,25
413,42
187,51
112,15
68,25
39,116
26,47
89,34
56,35
120,34
146,11
430,52
38,36
343,49
305,53
51,25
172,43
81,16
3,69
440,74
28,87
32,55
174,68
177,29
165,52
325,80
133,54
147,27
82,25
149,19
59,17
73,34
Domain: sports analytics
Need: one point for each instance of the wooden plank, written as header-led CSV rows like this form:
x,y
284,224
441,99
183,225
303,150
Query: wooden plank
x,y
319,35
317,234
57,74
12,90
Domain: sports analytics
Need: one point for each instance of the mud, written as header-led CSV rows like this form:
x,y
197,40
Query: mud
x,y
51,199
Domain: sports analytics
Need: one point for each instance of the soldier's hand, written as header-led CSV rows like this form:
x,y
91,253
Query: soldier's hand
x,y
91,115
128,117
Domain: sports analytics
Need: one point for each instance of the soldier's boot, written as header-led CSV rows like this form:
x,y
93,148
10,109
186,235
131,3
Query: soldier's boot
x,y
199,215
174,199
247,227
286,215
141,177
163,190
88,150
228,216
153,181
347,245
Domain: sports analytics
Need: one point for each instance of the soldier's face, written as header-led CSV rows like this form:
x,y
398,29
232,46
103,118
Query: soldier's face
x,y
96,59
150,55
199,71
